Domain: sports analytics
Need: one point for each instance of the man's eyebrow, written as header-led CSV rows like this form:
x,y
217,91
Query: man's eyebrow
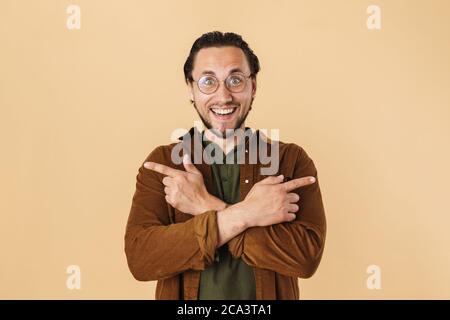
x,y
236,70
209,72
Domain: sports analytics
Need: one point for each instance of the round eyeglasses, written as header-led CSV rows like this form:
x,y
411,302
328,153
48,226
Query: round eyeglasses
x,y
236,82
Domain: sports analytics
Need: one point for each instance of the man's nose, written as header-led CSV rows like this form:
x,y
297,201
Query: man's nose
x,y
223,94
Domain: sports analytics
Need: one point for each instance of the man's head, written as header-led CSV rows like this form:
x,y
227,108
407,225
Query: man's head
x,y
220,72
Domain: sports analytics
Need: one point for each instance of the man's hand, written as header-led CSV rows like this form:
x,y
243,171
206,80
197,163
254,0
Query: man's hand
x,y
185,190
270,201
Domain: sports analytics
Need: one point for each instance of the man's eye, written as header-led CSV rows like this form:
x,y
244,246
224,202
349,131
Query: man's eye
x,y
208,82
235,81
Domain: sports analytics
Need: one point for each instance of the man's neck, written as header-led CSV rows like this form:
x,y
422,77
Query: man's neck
x,y
226,144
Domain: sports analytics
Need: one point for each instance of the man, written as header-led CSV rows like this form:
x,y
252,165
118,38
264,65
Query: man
x,y
215,230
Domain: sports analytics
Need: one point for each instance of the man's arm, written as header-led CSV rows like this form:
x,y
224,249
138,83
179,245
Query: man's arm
x,y
258,215
185,191
155,248
258,209
293,248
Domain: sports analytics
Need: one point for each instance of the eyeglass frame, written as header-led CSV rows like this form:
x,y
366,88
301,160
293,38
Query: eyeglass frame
x,y
223,81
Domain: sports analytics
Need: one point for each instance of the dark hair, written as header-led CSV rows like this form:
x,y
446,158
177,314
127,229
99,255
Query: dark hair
x,y
219,39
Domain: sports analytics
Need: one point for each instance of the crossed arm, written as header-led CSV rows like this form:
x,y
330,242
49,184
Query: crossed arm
x,y
266,232
185,190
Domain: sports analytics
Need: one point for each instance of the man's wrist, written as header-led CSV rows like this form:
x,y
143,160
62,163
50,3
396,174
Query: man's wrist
x,y
230,222
213,203
241,212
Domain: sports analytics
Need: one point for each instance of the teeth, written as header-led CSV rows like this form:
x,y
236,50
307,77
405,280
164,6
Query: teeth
x,y
223,111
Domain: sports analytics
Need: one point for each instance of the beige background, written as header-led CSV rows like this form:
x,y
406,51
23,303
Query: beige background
x,y
81,109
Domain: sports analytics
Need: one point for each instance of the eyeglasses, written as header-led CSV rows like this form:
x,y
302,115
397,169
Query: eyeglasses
x,y
235,83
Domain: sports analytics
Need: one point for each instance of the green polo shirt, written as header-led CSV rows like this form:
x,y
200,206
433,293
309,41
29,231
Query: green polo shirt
x,y
227,278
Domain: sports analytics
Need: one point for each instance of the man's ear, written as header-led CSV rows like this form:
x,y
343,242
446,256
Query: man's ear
x,y
253,87
190,92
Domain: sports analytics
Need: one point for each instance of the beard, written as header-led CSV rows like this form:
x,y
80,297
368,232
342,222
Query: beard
x,y
228,132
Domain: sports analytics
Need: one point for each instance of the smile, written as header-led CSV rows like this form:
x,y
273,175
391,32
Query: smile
x,y
223,112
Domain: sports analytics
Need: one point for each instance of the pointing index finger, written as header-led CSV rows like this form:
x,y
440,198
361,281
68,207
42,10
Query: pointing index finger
x,y
297,183
163,169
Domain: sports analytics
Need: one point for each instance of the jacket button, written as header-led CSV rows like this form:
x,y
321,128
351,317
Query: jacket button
x,y
246,180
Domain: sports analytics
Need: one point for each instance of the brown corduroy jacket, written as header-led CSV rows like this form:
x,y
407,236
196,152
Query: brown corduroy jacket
x,y
164,244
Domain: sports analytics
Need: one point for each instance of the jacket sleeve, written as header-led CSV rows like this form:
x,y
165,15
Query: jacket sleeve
x,y
291,248
156,248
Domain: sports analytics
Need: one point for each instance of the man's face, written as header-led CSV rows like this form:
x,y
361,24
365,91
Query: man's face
x,y
221,62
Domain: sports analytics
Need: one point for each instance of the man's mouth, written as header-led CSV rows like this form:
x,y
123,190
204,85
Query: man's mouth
x,y
224,113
